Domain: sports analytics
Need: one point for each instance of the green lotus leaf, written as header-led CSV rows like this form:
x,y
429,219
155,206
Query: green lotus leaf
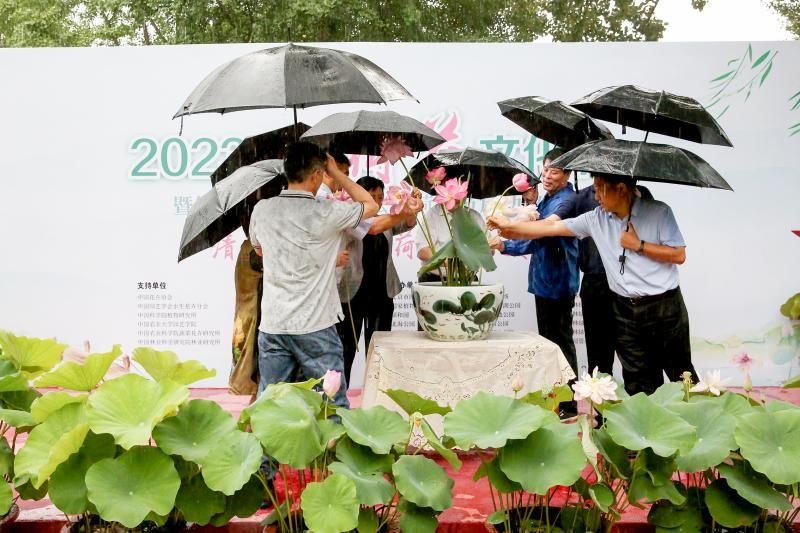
x,y
288,430
652,480
727,507
613,453
130,406
195,430
27,491
423,482
165,365
362,458
734,404
371,487
367,520
549,399
330,506
232,462
50,402
434,442
792,383
753,486
602,495
448,251
415,519
470,241
667,516
549,456
6,497
639,423
128,488
6,459
411,403
80,377
714,429
19,400
277,391
497,477
197,502
67,488
30,355
330,430
375,427
658,469
245,502
668,393
17,419
779,405
771,442
11,379
51,443
489,421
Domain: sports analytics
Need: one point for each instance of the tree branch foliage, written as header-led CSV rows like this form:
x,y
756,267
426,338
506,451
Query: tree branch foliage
x,y
146,22
789,10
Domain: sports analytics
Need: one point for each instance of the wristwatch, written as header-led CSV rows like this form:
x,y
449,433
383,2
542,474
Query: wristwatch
x,y
641,246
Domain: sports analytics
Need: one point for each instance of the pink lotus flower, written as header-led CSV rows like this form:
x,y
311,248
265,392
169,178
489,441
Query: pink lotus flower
x,y
398,196
436,176
392,149
331,383
451,193
520,182
340,195
743,361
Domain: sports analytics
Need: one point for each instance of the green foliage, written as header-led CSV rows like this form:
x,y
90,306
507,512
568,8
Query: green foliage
x,y
771,442
791,308
375,427
195,430
146,22
330,506
790,11
80,377
423,482
67,487
163,365
411,402
232,462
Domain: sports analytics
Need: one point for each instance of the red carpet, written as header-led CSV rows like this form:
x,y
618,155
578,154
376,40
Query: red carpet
x,y
472,502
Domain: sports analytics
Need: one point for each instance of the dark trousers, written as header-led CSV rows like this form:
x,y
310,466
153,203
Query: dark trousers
x,y
370,311
554,318
598,322
652,338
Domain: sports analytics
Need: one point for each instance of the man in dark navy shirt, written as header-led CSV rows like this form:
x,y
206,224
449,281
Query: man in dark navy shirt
x,y
553,270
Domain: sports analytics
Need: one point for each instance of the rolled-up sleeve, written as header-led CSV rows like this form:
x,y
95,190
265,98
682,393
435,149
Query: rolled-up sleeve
x,y
668,232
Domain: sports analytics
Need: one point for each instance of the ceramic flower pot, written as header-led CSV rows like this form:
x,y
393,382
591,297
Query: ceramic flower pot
x,y
465,313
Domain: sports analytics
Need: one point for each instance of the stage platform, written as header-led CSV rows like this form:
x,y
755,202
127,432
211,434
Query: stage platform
x,y
471,501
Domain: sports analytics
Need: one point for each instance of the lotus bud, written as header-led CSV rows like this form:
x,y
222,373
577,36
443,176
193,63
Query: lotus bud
x,y
517,384
331,383
748,383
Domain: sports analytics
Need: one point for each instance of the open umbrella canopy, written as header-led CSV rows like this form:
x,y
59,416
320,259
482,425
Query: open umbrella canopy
x,y
654,111
292,76
268,145
489,172
553,121
642,161
363,132
218,212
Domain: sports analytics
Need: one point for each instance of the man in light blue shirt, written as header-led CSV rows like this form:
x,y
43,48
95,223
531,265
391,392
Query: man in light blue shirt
x,y
640,246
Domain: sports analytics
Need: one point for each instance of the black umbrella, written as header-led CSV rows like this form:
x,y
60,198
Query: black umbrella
x,y
292,76
553,121
642,161
489,172
657,111
269,145
363,132
218,212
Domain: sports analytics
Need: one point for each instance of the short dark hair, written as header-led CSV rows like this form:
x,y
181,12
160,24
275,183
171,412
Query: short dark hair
x,y
338,155
369,183
613,179
554,154
302,158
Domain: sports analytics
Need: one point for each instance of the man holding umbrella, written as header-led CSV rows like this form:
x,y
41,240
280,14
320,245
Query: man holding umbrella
x,y
640,245
300,305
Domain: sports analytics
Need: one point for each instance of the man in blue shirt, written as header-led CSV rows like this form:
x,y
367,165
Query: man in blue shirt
x,y
553,270
641,246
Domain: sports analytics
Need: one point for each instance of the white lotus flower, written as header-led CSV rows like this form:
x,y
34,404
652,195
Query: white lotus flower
x,y
712,382
596,389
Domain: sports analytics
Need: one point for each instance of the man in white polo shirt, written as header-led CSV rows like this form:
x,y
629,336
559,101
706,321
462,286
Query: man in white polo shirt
x,y
641,246
300,238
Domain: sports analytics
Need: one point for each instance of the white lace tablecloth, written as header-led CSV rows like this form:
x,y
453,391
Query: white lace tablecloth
x,y
450,371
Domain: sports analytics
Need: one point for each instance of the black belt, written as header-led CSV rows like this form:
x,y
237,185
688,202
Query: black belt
x,y
641,300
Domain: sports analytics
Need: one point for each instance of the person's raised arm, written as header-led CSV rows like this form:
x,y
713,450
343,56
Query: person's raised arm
x,y
529,230
356,191
408,216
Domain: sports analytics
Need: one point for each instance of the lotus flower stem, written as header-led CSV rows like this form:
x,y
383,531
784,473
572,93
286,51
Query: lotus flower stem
x,y
427,232
352,323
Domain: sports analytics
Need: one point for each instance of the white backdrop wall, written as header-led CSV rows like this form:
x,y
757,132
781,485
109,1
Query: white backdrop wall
x,y
96,183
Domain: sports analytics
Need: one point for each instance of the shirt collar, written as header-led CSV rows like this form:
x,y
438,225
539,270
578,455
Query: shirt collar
x,y
635,208
292,193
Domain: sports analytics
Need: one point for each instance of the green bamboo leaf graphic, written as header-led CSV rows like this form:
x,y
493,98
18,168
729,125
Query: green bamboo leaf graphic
x,y
733,61
750,51
723,76
796,105
795,95
712,104
766,73
748,93
761,59
723,111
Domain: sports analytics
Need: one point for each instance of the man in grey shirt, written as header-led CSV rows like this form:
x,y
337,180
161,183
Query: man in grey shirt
x,y
641,247
299,237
